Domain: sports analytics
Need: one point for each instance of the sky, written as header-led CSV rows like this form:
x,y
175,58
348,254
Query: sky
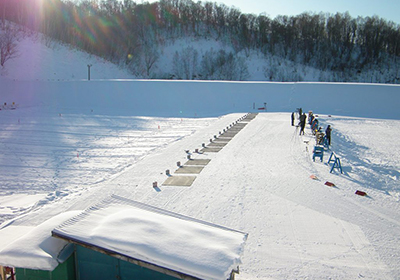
x,y
388,9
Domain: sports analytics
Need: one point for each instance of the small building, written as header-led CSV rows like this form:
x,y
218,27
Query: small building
x,y
123,239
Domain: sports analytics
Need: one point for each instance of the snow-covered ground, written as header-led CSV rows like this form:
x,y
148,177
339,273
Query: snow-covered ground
x,y
68,145
259,183
47,156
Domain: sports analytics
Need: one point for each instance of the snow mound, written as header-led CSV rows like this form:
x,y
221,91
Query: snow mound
x,y
37,249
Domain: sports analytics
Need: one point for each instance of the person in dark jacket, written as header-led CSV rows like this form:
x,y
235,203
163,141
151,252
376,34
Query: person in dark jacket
x,y
302,122
328,134
292,118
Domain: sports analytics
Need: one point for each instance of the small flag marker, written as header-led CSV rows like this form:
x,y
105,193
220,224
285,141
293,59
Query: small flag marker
x,y
361,193
329,184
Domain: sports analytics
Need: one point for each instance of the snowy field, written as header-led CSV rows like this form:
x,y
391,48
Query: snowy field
x,y
47,156
259,183
68,145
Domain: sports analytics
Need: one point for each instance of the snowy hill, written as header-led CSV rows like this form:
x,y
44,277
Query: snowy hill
x,y
66,145
41,59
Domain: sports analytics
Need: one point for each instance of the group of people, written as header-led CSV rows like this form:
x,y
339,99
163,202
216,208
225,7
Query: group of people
x,y
314,123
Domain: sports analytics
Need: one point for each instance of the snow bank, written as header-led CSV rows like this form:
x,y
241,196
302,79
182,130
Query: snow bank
x,y
37,249
9,202
203,99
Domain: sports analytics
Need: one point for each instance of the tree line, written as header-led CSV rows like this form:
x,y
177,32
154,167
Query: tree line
x,y
129,33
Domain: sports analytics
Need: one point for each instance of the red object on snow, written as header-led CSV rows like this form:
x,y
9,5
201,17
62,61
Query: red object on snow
x,y
329,184
262,108
361,193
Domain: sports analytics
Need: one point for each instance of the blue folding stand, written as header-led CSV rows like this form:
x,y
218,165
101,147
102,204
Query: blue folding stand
x,y
318,152
336,162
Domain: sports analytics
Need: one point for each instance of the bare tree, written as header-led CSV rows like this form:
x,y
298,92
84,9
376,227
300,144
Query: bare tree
x,y
150,57
190,61
8,45
185,64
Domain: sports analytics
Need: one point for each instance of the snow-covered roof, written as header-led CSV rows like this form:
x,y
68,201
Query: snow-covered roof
x,y
158,237
37,249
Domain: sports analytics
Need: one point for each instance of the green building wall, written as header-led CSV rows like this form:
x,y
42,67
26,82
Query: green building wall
x,y
64,271
94,265
86,264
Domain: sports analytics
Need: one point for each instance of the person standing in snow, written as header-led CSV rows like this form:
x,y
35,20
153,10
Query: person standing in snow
x,y
302,123
314,125
310,117
292,118
328,134
319,136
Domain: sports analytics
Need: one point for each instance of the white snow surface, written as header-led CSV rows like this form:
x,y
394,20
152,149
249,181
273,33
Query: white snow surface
x,y
70,144
36,249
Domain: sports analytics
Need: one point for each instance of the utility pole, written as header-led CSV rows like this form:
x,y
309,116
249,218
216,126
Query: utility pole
x,y
89,65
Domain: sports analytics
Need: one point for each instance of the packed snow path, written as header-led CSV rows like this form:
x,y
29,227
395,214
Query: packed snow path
x,y
260,183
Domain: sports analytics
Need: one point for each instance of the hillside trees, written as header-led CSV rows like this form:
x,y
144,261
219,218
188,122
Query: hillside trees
x,y
8,46
221,65
185,64
133,34
214,65
341,39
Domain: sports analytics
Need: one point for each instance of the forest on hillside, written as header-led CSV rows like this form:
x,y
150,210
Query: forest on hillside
x,y
132,35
